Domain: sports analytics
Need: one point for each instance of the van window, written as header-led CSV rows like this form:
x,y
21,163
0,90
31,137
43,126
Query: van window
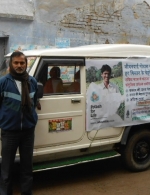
x,y
4,67
60,76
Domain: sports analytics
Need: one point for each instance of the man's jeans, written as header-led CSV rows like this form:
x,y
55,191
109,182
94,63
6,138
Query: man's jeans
x,y
11,140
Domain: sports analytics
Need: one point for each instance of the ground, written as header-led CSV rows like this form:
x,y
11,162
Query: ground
x,y
107,177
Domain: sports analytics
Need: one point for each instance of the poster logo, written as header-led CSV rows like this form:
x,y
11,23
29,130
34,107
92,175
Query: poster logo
x,y
94,97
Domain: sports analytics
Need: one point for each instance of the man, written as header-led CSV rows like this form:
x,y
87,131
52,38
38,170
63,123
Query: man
x,y
18,118
54,84
75,86
107,86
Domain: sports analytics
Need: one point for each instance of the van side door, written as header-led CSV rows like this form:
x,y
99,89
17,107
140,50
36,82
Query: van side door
x,y
62,115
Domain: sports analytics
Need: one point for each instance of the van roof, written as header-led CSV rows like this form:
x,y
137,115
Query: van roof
x,y
103,50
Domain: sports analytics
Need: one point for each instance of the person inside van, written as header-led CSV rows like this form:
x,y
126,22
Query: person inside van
x,y
75,86
54,84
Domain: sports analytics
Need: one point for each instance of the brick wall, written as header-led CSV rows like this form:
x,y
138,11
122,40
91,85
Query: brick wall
x,y
69,23
111,24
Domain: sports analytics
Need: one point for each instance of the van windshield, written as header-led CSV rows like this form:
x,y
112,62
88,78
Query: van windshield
x,y
5,64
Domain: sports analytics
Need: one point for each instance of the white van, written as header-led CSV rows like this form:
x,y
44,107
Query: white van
x,y
79,118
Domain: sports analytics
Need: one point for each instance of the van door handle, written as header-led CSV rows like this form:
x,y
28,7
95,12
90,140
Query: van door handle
x,y
75,100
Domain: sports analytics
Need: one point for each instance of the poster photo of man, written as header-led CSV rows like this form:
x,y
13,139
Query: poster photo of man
x,y
105,104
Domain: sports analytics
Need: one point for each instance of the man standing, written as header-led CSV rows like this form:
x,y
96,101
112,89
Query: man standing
x,y
107,86
18,97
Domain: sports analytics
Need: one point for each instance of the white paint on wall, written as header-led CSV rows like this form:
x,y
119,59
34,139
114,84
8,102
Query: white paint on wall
x,y
16,9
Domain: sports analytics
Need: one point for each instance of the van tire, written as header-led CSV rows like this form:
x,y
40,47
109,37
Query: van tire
x,y
136,153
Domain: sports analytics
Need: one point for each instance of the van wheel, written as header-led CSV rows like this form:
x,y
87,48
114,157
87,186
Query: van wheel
x,y
136,154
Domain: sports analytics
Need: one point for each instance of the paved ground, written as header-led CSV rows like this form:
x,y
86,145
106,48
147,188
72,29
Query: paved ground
x,y
107,177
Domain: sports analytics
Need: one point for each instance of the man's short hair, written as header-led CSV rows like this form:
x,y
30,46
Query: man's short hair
x,y
17,54
105,67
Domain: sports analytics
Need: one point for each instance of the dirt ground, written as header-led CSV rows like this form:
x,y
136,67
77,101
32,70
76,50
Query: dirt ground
x,y
107,177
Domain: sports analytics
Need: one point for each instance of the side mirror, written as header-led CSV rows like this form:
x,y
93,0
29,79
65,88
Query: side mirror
x,y
40,90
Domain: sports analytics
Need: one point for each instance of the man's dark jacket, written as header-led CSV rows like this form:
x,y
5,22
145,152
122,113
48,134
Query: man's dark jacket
x,y
11,115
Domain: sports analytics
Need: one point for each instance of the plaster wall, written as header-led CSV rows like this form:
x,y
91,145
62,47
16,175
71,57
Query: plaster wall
x,y
69,23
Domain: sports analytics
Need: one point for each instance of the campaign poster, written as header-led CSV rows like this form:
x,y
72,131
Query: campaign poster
x,y
118,92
